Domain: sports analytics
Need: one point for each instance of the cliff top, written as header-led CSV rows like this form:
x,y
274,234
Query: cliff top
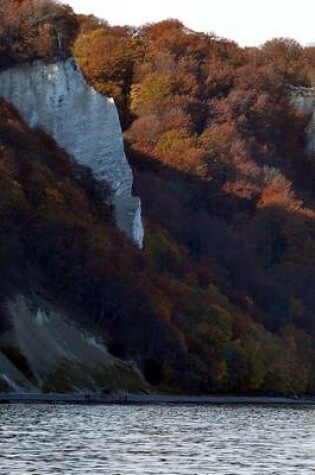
x,y
31,30
301,91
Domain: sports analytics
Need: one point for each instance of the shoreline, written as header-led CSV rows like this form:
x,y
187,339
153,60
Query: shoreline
x,y
149,399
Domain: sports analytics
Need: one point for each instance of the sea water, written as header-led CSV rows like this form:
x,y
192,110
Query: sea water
x,y
156,440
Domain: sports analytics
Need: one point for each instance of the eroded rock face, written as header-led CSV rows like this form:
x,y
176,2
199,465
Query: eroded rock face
x,y
59,354
304,99
56,98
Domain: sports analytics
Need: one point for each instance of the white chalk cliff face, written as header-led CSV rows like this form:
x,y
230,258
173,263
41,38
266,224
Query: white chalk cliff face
x,y
56,98
304,99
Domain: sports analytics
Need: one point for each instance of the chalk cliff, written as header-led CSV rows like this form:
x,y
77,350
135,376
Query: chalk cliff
x,y
56,98
45,350
304,99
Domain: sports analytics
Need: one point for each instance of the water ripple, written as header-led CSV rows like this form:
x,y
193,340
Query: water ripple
x,y
156,440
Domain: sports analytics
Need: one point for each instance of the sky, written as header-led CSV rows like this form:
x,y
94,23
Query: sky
x,y
248,22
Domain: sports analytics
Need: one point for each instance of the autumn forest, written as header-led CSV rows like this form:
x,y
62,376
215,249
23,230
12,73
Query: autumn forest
x,y
221,299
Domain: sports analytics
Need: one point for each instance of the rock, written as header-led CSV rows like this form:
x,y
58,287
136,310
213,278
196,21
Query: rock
x,y
61,355
56,98
303,99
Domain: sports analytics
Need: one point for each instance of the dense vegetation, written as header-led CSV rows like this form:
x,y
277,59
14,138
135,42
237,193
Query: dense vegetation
x,y
35,29
222,297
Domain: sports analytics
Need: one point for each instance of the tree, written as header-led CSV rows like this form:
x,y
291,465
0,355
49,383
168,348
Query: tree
x,y
286,56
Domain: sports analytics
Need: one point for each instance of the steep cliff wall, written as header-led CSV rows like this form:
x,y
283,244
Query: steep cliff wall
x,y
59,355
56,98
304,99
